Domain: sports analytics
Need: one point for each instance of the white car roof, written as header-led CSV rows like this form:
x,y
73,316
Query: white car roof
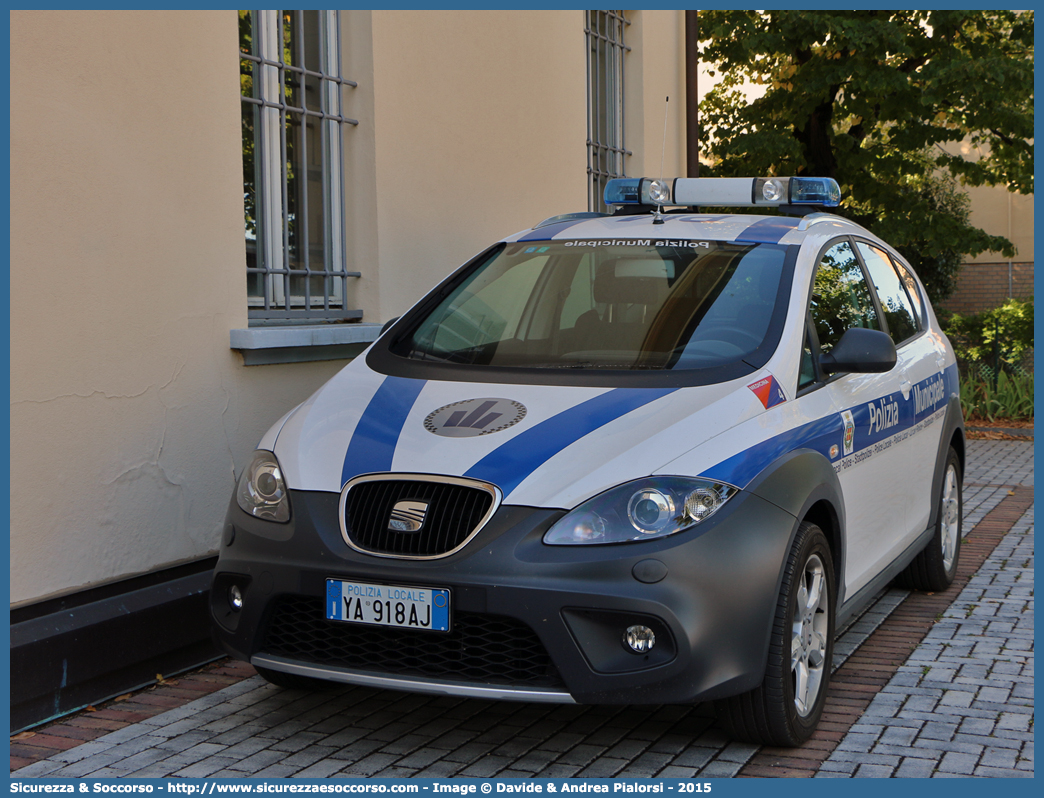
x,y
743,228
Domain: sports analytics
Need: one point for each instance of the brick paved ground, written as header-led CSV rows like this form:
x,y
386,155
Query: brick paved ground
x,y
962,704
110,716
219,723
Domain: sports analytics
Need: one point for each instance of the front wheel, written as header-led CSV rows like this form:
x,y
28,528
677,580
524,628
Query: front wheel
x,y
936,565
785,709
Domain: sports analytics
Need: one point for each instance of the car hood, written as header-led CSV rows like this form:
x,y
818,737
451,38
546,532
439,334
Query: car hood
x,y
542,445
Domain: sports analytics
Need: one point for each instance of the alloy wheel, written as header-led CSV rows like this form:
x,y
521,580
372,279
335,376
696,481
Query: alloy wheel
x,y
950,517
809,631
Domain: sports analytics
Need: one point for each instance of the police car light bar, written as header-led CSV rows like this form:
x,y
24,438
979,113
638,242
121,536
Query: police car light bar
x,y
724,191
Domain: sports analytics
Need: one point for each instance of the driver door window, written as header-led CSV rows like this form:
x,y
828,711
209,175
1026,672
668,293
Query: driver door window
x,y
840,297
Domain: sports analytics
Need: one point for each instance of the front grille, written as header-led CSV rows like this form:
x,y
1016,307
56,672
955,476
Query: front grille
x,y
487,649
453,513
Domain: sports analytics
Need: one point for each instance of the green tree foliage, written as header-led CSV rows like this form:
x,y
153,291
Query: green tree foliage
x,y
869,98
249,120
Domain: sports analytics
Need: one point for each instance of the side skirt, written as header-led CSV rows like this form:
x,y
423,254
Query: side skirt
x,y
855,603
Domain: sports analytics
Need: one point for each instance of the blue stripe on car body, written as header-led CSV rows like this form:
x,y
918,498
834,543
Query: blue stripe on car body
x,y
373,443
821,434
372,446
552,230
768,230
509,464
743,466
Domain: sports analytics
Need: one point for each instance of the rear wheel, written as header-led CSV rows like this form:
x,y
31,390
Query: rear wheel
x,y
785,709
936,566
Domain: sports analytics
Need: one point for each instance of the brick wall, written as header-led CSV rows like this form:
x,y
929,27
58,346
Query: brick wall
x,y
983,286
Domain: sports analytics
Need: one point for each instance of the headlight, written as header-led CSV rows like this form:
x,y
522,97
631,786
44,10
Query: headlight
x,y
650,511
262,491
646,508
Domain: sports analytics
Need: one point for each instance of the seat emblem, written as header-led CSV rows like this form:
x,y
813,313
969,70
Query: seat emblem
x,y
407,515
474,417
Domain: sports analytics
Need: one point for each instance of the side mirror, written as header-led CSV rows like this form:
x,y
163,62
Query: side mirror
x,y
388,324
861,351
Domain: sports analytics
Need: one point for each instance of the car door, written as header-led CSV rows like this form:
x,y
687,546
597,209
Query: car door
x,y
919,366
871,472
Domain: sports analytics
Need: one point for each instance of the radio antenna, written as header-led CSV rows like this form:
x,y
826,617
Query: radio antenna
x,y
657,218
663,146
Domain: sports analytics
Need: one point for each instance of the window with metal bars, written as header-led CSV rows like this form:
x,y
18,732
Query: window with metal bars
x,y
293,169
605,102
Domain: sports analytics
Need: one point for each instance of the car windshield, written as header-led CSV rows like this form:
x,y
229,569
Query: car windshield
x,y
605,304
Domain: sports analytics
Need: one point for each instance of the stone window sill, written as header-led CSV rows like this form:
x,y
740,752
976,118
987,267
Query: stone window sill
x,y
266,345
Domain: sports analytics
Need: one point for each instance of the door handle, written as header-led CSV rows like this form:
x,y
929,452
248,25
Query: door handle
x,y
905,386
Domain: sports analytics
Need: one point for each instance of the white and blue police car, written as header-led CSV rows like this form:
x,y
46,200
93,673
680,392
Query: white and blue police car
x,y
656,456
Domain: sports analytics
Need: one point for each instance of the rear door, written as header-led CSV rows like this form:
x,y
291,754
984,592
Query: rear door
x,y
870,469
920,383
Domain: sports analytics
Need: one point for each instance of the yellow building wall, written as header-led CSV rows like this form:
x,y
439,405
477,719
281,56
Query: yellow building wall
x,y
130,414
129,411
990,278
481,129
1002,213
998,211
480,132
654,72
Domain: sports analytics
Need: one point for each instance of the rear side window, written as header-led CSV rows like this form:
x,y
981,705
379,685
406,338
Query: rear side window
x,y
807,369
840,297
895,303
912,291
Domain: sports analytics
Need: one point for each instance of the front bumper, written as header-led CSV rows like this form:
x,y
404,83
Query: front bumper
x,y
530,621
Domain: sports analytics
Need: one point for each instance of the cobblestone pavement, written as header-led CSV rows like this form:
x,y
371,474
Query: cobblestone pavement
x,y
961,704
999,463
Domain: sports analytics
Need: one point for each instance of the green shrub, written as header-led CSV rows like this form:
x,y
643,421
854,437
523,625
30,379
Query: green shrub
x,y
1005,332
989,396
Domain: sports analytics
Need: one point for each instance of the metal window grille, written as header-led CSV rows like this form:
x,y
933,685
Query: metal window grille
x,y
293,182
605,102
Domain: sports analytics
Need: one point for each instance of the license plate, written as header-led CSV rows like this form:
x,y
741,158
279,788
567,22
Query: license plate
x,y
388,605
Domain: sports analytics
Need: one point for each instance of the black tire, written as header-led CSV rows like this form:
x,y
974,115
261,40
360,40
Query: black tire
x,y
293,681
936,565
771,714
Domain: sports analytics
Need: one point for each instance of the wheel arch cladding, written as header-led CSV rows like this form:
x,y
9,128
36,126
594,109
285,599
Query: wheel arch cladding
x,y
952,437
804,484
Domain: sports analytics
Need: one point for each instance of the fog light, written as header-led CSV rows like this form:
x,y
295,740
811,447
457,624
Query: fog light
x,y
640,639
235,597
